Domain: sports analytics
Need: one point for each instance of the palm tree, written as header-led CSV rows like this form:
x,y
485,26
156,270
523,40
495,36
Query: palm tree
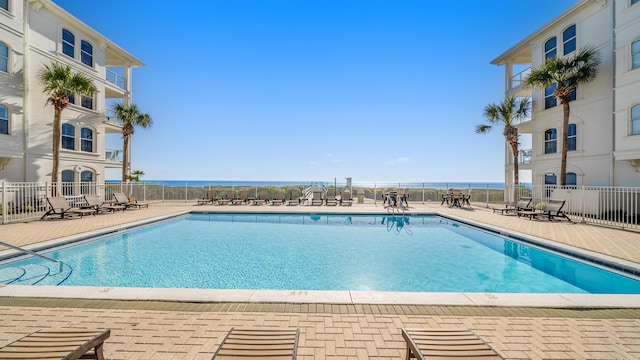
x,y
509,112
59,81
131,118
135,175
566,73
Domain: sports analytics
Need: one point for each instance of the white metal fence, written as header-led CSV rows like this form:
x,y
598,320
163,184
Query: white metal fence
x,y
603,205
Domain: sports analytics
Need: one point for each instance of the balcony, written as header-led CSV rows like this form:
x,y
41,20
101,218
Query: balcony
x,y
517,84
116,79
113,156
524,156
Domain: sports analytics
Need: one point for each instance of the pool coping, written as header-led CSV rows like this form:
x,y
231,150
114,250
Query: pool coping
x,y
335,297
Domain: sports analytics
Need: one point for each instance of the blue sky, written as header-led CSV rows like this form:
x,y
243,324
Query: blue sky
x,y
376,90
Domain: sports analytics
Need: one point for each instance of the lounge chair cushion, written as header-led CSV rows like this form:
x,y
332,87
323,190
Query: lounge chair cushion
x,y
57,344
425,344
259,343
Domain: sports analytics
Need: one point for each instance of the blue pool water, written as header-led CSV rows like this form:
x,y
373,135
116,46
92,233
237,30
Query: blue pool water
x,y
316,252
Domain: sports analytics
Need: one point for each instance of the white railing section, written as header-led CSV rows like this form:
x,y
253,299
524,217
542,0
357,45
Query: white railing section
x,y
113,155
116,79
519,78
602,205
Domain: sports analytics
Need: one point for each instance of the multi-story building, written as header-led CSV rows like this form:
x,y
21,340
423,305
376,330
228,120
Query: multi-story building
x,y
34,33
604,130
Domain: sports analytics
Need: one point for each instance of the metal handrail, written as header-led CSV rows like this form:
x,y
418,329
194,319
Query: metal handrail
x,y
29,252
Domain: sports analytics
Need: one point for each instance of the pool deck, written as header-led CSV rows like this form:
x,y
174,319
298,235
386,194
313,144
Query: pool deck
x,y
333,325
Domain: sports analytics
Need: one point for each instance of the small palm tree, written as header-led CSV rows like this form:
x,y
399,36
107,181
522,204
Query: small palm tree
x,y
509,112
131,118
135,175
567,73
59,81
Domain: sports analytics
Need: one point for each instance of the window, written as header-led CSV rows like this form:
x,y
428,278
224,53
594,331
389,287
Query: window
x,y
68,43
67,179
635,120
550,179
4,57
86,53
68,137
71,97
4,4
550,99
86,140
87,102
86,179
569,40
550,48
572,138
571,179
634,1
4,120
635,54
550,141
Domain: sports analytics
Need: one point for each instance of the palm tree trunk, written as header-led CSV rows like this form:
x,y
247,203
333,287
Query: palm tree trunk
x,y
516,170
125,158
57,129
565,138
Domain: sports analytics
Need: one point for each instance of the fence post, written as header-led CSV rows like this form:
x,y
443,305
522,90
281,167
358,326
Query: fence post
x,y
162,190
583,203
422,193
4,203
186,191
487,198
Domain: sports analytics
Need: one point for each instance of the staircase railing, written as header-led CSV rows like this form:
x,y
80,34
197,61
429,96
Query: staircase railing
x,y
29,252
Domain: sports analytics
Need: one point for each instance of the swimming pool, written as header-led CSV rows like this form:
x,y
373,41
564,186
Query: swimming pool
x,y
316,252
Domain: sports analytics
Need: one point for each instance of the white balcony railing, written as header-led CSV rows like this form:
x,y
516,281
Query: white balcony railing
x,y
517,80
524,156
116,79
113,156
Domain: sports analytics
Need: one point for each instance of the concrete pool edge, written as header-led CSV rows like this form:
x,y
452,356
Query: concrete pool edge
x,y
323,297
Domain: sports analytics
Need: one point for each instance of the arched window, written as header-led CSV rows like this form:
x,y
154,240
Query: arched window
x,y
4,57
86,179
86,53
572,137
550,48
550,99
86,140
569,40
68,137
4,4
67,179
635,54
550,141
635,120
68,43
4,120
571,179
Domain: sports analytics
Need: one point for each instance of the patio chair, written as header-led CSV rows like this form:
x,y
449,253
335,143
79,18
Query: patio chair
x,y
241,198
295,198
443,343
227,197
278,199
60,206
331,197
122,199
259,343
93,202
262,198
211,197
553,210
524,204
58,344
345,198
